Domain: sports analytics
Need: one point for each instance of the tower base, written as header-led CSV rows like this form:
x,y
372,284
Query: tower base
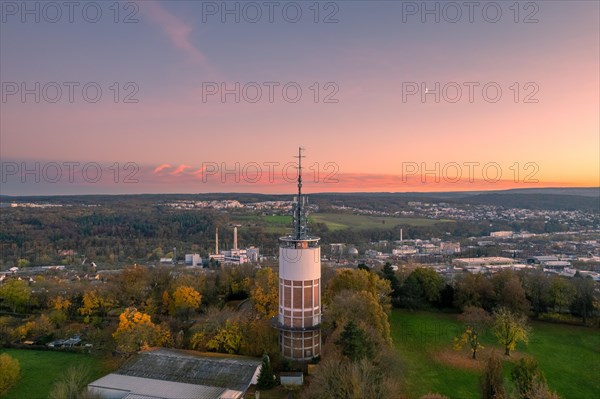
x,y
300,345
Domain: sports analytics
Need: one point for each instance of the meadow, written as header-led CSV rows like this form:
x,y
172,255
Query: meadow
x,y
340,221
568,356
41,369
335,221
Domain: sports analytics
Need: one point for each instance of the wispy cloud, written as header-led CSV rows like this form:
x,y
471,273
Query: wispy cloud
x,y
160,168
176,30
180,169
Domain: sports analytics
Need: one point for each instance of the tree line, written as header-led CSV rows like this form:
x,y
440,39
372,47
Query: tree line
x,y
533,292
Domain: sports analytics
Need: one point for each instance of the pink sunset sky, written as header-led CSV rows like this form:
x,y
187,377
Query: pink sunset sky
x,y
357,117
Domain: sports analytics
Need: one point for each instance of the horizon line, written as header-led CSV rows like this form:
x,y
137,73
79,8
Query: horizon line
x,y
315,193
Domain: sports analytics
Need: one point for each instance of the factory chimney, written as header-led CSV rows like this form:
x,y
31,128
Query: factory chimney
x,y
217,242
235,238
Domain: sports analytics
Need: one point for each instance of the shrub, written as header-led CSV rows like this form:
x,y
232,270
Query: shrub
x,y
9,372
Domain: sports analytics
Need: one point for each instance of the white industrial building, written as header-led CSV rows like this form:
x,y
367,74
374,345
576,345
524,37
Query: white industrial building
x,y
501,234
234,255
193,260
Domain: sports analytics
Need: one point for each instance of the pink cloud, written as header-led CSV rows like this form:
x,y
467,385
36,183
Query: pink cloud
x,y
194,179
199,173
180,169
176,30
161,167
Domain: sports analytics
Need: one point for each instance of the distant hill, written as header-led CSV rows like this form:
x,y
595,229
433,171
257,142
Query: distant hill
x,y
584,191
533,198
536,201
576,191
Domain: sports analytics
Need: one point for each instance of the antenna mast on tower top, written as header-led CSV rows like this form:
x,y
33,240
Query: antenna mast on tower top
x,y
299,217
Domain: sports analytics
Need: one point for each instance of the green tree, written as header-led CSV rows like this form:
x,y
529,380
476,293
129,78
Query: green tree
x,y
509,292
492,382
266,377
474,289
358,280
390,275
562,293
258,337
585,293
510,328
412,295
431,283
227,340
422,286
537,288
10,371
16,294
362,308
355,343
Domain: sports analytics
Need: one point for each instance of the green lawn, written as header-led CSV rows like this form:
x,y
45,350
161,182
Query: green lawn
x,y
339,221
568,356
40,369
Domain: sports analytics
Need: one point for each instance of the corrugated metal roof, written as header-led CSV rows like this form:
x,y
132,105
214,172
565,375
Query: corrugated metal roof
x,y
234,373
146,388
136,396
226,395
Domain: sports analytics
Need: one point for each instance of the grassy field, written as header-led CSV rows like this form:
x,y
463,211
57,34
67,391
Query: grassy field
x,y
334,221
568,356
40,369
339,221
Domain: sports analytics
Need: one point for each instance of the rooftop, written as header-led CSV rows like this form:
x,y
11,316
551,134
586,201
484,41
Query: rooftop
x,y
187,367
171,373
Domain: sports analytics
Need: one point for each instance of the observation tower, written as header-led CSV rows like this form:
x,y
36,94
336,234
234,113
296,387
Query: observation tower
x,y
299,316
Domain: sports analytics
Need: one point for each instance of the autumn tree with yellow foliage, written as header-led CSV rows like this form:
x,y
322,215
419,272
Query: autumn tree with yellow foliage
x,y
60,310
227,340
95,306
136,331
184,300
265,293
476,321
10,371
358,280
36,327
510,328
